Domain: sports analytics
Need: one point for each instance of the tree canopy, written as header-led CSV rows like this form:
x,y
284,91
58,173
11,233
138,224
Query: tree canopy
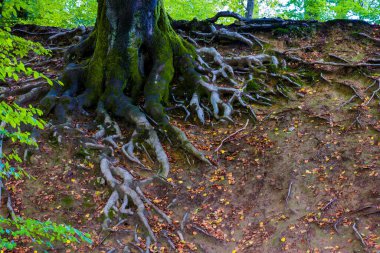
x,y
69,13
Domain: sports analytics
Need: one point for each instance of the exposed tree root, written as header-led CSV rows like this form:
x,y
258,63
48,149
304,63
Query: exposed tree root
x,y
21,90
123,191
320,62
375,92
243,24
252,60
79,30
224,34
376,40
226,14
358,234
375,86
225,70
32,95
132,83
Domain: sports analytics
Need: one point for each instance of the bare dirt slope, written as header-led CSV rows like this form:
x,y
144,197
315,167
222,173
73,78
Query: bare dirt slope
x,y
304,178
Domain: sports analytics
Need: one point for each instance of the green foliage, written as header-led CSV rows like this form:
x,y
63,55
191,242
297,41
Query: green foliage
x,y
185,9
66,13
42,233
189,9
9,11
12,50
322,10
71,13
368,10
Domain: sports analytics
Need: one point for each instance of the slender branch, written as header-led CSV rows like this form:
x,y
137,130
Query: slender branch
x,y
374,93
376,40
289,192
338,57
231,135
329,204
226,14
358,234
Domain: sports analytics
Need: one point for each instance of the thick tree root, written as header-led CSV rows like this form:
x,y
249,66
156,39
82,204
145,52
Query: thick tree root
x,y
224,34
244,24
123,191
223,109
126,72
252,60
128,150
225,70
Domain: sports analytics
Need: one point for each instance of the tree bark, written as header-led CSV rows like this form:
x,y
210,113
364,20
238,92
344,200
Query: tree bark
x,y
249,9
131,56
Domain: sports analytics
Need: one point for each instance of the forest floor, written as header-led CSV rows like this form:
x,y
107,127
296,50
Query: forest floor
x,y
301,179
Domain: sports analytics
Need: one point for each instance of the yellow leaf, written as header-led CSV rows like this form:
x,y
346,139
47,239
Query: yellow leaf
x,y
73,180
283,239
234,251
156,201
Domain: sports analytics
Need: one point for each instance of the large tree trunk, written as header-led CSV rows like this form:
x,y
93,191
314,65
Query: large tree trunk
x,y
124,68
129,57
127,61
135,49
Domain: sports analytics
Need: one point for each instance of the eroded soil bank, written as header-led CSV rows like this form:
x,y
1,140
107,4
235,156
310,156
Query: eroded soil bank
x,y
302,179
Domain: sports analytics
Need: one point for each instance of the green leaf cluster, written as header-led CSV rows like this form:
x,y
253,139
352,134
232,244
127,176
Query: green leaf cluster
x,y
42,233
67,13
323,10
13,50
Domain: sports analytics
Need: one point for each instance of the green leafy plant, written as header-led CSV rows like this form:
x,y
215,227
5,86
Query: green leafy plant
x,y
12,50
41,233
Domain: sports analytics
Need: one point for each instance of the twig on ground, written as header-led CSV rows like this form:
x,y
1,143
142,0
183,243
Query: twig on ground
x,y
376,40
358,234
231,135
184,220
325,79
339,58
374,93
329,204
297,49
289,192
165,234
204,231
337,223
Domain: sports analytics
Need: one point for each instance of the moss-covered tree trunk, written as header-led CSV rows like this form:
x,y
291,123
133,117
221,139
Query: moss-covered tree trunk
x,y
129,57
135,49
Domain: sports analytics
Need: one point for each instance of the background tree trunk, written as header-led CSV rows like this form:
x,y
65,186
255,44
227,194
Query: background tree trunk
x,y
249,9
